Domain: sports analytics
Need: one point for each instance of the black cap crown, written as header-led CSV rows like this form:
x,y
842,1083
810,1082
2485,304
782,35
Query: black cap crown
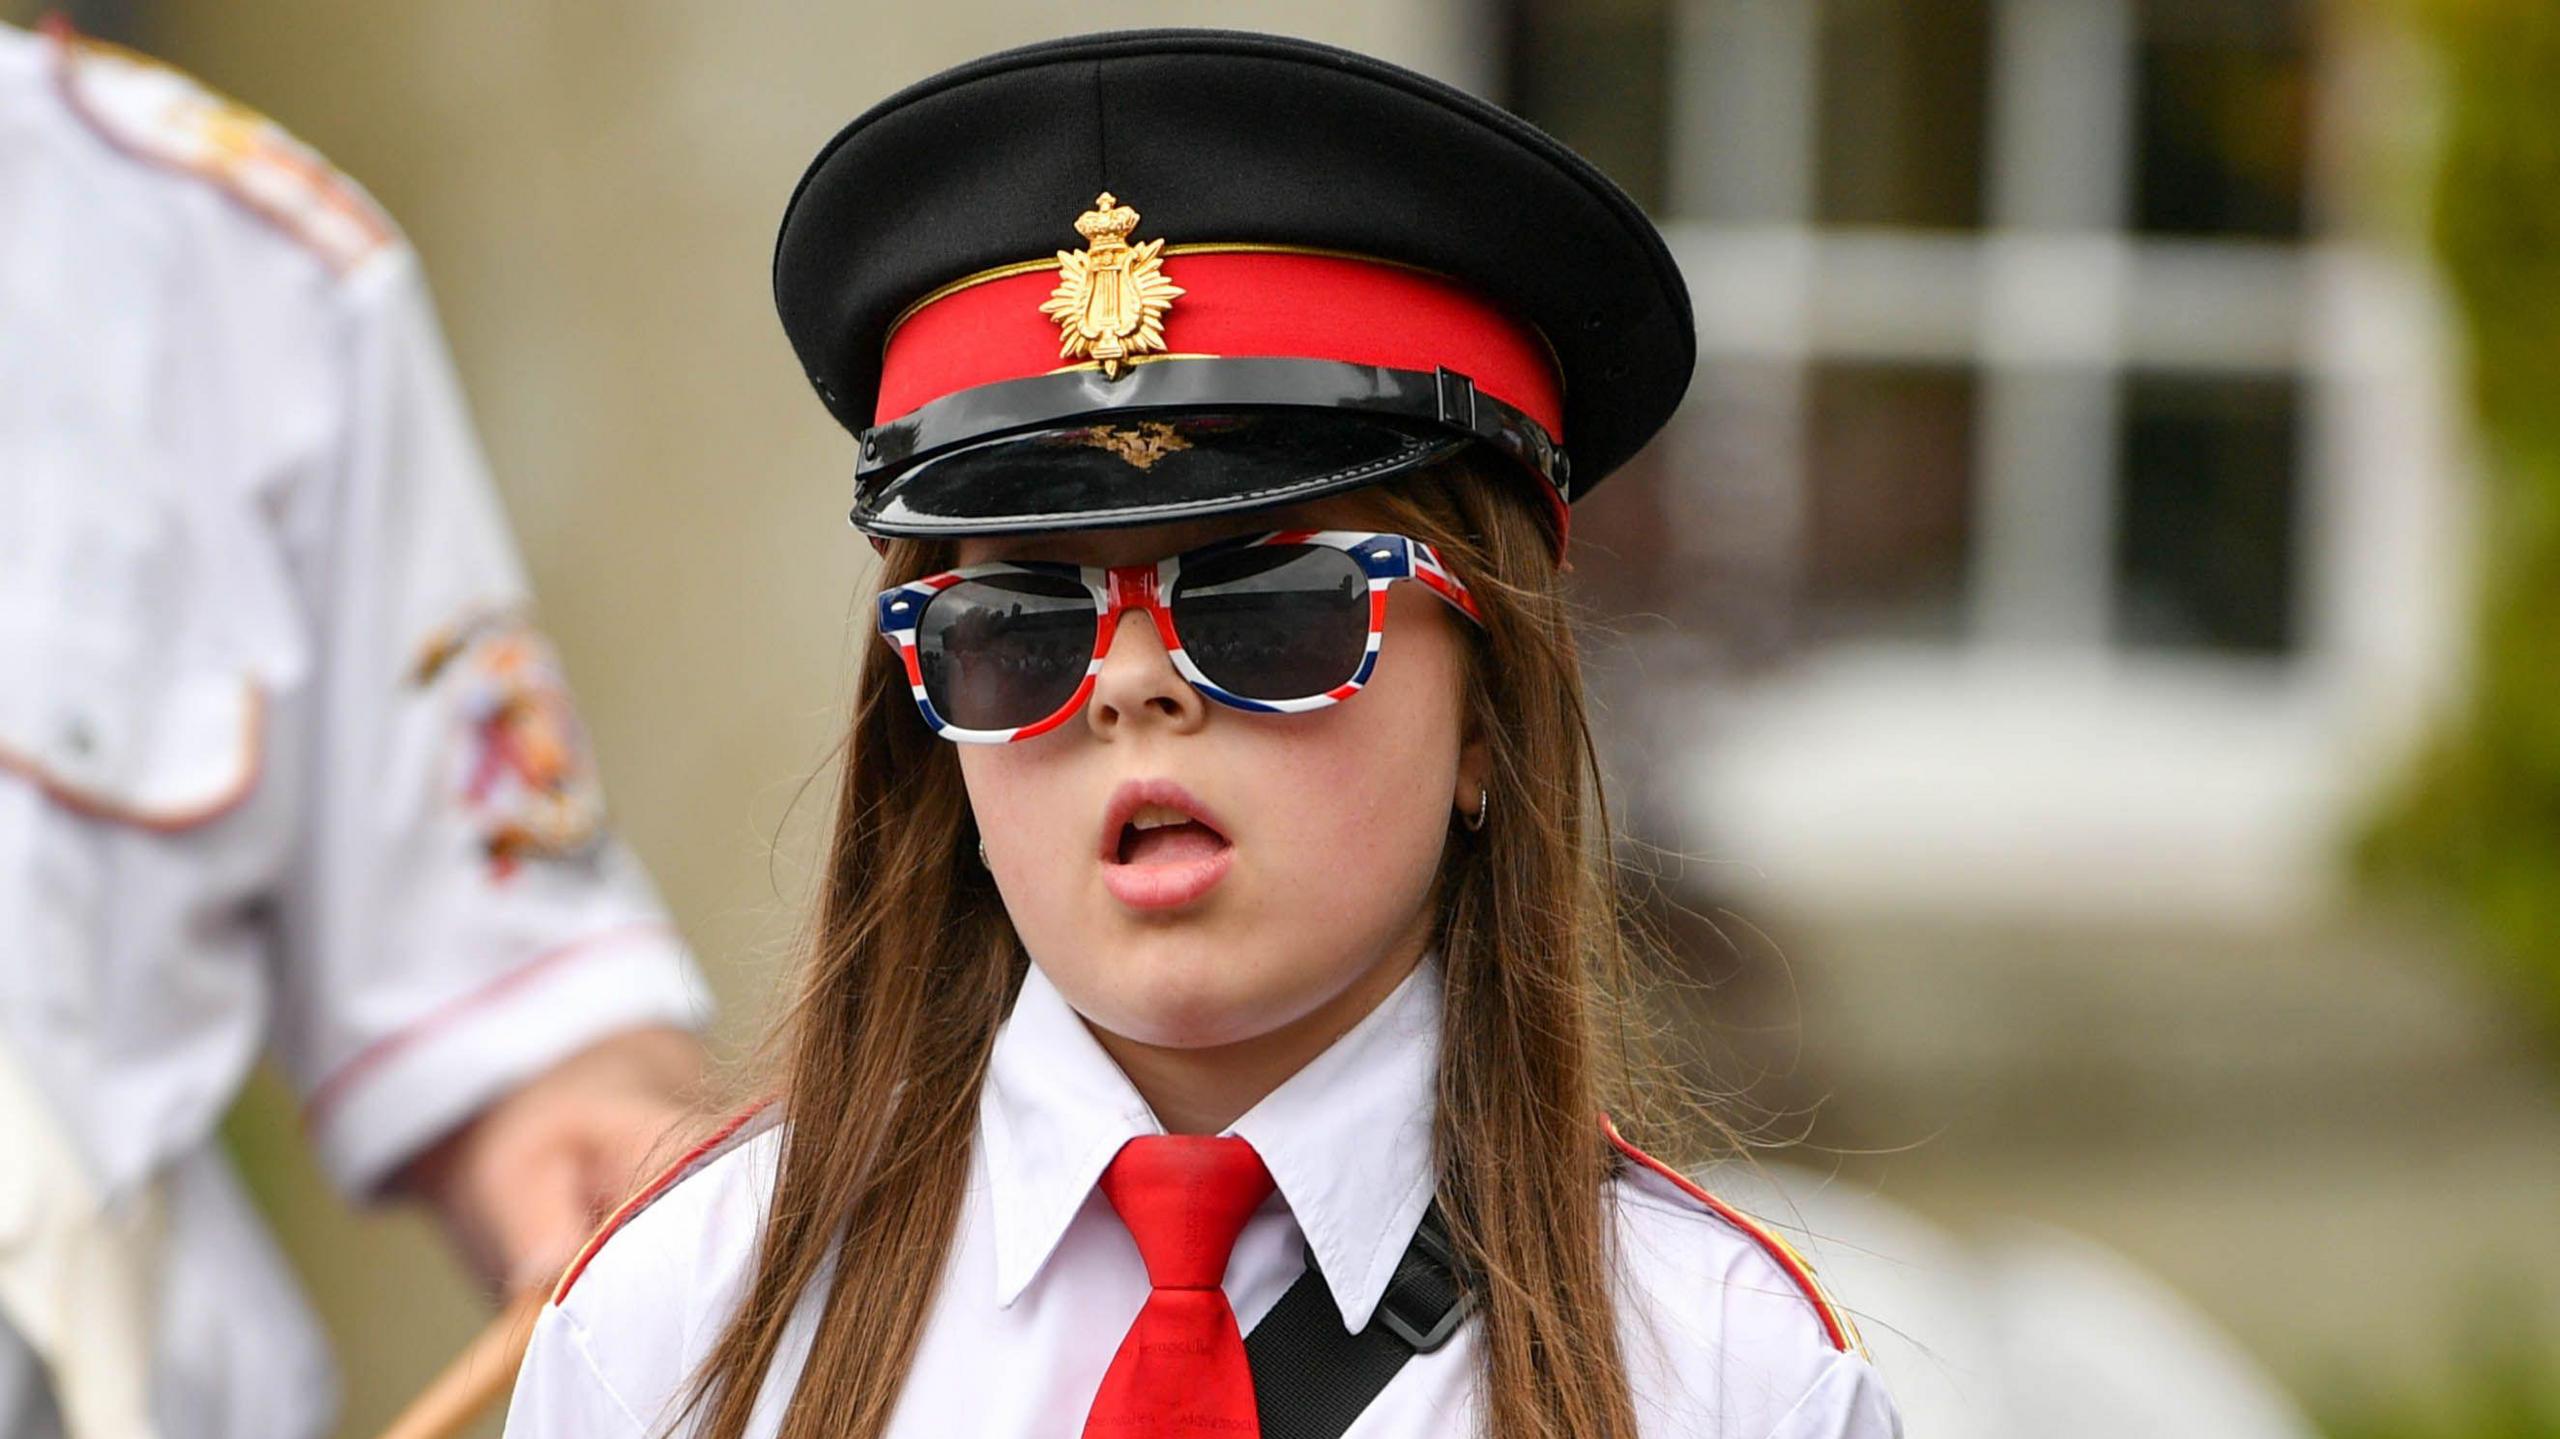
x,y
1323,247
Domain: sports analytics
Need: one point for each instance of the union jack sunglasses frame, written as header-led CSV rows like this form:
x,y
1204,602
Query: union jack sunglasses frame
x,y
1385,558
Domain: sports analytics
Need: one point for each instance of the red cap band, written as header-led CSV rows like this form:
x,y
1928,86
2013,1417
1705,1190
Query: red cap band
x,y
1236,304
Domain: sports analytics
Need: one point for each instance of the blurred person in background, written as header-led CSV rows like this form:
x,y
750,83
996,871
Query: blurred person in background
x,y
282,767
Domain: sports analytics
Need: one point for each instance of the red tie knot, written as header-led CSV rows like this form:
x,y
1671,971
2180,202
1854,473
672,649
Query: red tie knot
x,y
1185,1198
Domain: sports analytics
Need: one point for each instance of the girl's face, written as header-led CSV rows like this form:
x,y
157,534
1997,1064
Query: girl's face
x,y
1192,876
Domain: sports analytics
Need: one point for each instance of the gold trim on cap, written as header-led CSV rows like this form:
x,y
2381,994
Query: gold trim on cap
x,y
1138,360
1197,247
1555,360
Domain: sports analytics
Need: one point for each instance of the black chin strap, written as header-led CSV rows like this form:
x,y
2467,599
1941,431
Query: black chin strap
x,y
1312,1377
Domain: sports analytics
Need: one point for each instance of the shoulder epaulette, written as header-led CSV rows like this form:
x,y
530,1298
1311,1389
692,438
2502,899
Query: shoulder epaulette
x,y
1836,1324
730,1135
166,119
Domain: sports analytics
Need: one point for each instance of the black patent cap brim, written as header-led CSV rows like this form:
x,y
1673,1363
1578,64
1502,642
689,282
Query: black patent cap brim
x,y
1144,470
1210,435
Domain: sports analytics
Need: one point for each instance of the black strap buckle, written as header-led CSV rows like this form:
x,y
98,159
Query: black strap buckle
x,y
1312,1377
1457,399
1424,1303
1464,407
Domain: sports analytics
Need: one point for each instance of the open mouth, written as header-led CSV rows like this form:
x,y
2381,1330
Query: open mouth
x,y
1160,847
1162,834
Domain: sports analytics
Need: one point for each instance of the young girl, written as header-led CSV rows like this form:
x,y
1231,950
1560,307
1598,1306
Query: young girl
x,y
1213,1003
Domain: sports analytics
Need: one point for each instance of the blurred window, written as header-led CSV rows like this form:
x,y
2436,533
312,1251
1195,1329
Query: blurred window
x,y
2223,115
1903,86
1888,500
2003,309
2205,504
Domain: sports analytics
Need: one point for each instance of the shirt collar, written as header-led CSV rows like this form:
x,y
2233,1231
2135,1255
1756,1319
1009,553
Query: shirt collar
x,y
1347,1138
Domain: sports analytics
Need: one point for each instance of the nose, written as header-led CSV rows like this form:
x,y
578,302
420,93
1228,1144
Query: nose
x,y
1138,683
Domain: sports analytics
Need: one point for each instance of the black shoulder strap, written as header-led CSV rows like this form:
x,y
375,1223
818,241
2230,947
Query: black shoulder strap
x,y
1312,1377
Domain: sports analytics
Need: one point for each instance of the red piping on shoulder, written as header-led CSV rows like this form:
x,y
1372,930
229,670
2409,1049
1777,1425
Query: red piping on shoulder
x,y
68,43
1834,1326
732,1132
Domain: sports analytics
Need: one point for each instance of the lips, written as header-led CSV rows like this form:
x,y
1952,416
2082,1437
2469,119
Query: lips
x,y
1160,847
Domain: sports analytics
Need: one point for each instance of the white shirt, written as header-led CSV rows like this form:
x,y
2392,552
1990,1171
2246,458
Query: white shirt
x,y
1043,1280
2009,1329
280,765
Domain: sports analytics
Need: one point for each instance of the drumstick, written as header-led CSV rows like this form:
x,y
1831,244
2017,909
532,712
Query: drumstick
x,y
477,1377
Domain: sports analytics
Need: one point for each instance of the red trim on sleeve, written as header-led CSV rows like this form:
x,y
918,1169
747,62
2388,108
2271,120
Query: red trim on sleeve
x,y
1238,305
329,1092
728,1136
1835,1325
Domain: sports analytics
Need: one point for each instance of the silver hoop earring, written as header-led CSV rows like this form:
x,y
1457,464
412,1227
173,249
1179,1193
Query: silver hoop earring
x,y
1484,810
982,855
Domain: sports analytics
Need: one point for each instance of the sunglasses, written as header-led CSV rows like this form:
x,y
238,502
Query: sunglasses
x,y
1275,624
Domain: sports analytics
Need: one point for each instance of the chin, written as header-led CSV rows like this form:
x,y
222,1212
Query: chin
x,y
1191,1012
1181,994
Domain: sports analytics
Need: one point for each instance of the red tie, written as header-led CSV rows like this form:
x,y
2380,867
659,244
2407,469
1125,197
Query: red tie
x,y
1181,1368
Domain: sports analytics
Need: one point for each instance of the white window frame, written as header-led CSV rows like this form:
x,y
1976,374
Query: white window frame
x,y
2038,765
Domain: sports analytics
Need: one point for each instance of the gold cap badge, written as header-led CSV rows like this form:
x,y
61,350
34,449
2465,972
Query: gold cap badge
x,y
1112,296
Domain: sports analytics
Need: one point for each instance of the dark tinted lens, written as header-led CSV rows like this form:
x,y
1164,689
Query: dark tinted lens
x,y
1003,651
1275,622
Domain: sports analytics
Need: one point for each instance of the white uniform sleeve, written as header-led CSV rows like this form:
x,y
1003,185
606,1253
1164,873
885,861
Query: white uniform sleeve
x,y
456,919
560,1394
1848,1401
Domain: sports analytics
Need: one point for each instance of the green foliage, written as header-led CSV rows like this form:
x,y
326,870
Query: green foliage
x,y
2478,821
2504,1386
2508,1404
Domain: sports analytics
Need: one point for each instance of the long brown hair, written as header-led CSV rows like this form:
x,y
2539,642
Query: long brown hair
x,y
913,965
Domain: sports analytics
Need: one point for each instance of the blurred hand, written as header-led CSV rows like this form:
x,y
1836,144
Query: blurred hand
x,y
523,1184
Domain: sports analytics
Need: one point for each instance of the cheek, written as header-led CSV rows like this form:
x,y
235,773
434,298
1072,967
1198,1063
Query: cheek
x,y
1021,805
1362,790
1038,826
1352,809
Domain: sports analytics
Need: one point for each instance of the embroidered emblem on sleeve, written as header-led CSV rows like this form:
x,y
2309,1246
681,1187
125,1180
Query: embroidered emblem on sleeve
x,y
164,118
524,773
